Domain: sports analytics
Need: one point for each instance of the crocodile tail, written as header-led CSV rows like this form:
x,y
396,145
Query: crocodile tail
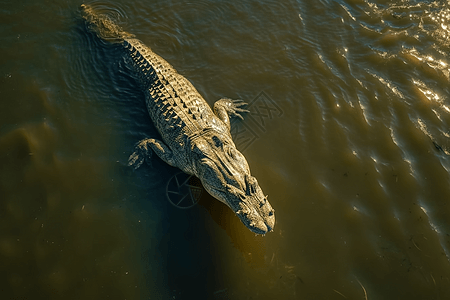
x,y
103,25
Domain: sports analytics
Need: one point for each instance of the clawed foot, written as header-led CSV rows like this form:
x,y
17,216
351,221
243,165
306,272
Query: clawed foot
x,y
141,153
232,107
226,108
234,110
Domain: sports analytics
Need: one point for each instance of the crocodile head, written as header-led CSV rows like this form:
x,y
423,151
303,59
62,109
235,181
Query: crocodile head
x,y
225,175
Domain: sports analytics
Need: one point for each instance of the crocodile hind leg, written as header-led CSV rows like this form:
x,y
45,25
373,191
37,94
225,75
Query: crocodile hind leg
x,y
226,108
143,151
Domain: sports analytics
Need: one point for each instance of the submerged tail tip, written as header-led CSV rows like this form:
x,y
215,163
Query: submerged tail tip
x,y
84,8
103,25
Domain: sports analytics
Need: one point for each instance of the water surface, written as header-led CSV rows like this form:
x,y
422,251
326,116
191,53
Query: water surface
x,y
348,134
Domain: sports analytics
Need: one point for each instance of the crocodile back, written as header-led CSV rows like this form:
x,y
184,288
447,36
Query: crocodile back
x,y
175,106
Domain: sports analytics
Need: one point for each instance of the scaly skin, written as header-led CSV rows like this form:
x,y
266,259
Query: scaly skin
x,y
194,138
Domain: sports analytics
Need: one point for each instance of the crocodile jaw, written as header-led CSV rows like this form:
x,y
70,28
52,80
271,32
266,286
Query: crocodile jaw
x,y
225,175
254,211
259,222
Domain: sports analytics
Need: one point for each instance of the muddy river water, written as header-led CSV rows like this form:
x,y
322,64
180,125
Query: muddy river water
x,y
348,133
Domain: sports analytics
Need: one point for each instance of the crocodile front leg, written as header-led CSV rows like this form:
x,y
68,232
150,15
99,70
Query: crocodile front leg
x,y
144,149
226,108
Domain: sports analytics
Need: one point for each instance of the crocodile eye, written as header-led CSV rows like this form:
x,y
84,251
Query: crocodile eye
x,y
217,142
231,152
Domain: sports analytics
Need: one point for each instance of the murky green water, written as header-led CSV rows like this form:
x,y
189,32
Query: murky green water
x,y
348,134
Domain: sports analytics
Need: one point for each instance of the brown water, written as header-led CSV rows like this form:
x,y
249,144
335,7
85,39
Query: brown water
x,y
348,134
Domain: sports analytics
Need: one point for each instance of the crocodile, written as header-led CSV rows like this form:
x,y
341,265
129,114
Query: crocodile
x,y
195,138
